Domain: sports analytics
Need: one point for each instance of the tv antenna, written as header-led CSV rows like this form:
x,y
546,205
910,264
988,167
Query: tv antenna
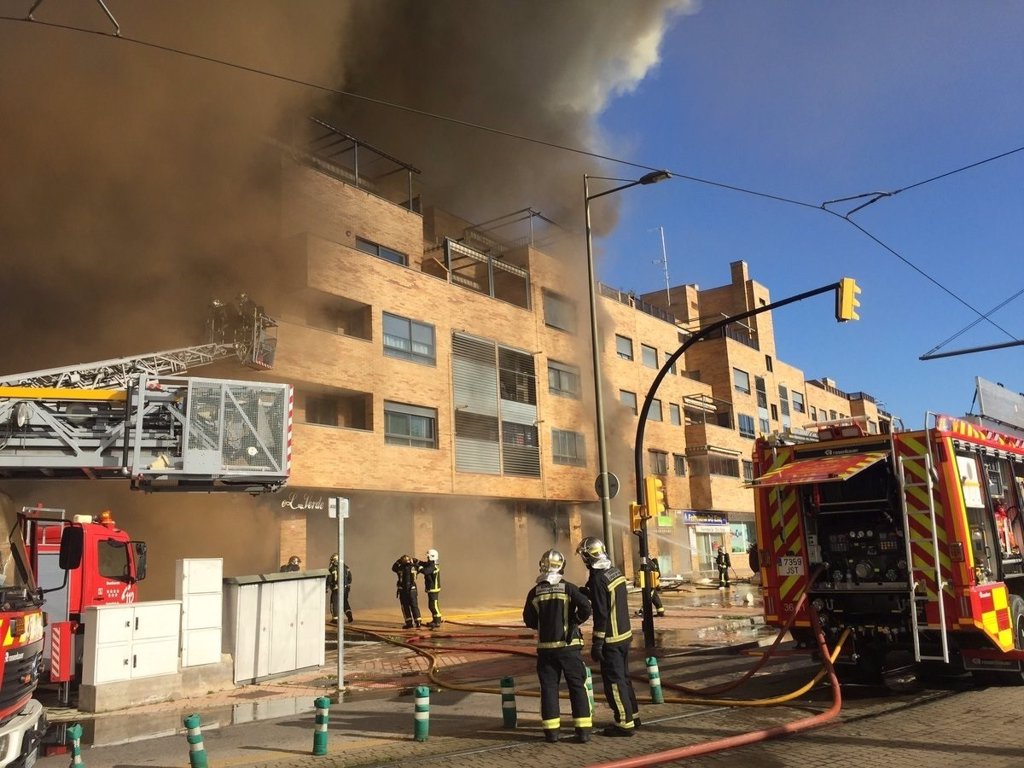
x,y
664,264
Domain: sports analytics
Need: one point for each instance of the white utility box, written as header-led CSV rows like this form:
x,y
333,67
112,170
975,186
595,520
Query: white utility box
x,y
127,642
199,584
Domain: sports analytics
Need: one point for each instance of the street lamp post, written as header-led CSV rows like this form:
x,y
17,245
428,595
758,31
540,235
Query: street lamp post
x,y
602,450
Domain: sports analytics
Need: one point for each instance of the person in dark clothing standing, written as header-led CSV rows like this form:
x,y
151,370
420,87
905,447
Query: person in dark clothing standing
x,y
431,570
333,584
612,635
348,588
405,567
556,608
655,572
724,563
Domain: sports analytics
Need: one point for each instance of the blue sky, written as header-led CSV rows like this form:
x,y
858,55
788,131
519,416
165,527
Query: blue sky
x,y
818,101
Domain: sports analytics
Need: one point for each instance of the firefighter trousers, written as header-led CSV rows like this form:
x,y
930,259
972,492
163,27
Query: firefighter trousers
x,y
552,665
618,688
410,607
433,598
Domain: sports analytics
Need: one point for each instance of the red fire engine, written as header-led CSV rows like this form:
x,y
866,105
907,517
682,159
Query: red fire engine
x,y
911,539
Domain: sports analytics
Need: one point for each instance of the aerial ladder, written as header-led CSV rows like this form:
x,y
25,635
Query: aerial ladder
x,y
138,418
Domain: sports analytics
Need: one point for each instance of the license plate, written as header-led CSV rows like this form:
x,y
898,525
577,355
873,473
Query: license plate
x,y
791,566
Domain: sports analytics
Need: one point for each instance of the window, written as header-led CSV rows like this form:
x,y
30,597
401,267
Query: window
x,y
748,471
410,425
563,380
765,426
832,415
322,409
649,356
408,339
746,425
775,412
679,464
568,448
382,252
559,312
628,399
768,363
112,560
654,414
658,461
741,380
672,368
623,347
674,414
762,394
797,398
723,465
814,413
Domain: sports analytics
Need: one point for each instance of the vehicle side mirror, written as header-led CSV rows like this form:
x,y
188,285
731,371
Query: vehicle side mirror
x,y
72,543
140,559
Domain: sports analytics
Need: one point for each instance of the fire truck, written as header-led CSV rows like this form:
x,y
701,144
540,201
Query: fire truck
x,y
910,539
131,419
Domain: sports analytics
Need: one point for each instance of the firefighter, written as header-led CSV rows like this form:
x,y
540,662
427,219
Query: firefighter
x,y
333,583
723,563
348,588
293,564
556,608
405,567
655,574
613,635
431,570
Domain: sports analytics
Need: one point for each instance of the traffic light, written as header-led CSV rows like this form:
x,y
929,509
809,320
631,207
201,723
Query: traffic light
x,y
636,517
846,300
657,504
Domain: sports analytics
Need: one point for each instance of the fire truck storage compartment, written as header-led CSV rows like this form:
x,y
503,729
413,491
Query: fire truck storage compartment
x,y
274,623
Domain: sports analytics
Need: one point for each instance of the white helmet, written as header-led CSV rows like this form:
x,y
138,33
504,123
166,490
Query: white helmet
x,y
552,561
432,555
592,550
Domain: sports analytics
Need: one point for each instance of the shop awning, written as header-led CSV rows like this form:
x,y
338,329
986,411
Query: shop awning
x,y
821,469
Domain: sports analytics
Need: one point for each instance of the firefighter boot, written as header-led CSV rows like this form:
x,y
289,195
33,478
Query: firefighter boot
x,y
551,735
582,735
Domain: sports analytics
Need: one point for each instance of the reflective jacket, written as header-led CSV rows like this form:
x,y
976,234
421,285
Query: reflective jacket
x,y
431,575
556,612
608,593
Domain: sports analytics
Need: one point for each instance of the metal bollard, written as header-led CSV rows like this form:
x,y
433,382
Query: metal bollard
x,y
422,726
589,685
196,750
75,734
508,702
323,707
657,696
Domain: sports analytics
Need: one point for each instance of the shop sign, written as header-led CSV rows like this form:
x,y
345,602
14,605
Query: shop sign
x,y
693,517
304,501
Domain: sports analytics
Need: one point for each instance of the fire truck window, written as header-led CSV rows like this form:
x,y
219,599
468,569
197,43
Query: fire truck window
x,y
113,559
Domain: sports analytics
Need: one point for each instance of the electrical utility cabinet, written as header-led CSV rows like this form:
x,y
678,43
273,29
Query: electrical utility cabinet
x,y
274,623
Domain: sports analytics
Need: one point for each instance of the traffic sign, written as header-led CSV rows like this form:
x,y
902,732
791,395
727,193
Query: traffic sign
x,y
613,485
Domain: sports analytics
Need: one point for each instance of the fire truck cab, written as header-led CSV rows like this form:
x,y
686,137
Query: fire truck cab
x,y
912,540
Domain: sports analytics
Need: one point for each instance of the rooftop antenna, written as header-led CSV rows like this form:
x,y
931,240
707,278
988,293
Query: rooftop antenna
x,y
664,265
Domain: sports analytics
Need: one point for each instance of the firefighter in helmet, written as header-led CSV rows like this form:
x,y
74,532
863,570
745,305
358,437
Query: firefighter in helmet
x,y
612,636
723,562
333,584
405,590
431,570
556,608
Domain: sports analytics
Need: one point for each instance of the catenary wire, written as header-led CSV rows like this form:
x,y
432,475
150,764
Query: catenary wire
x,y
562,147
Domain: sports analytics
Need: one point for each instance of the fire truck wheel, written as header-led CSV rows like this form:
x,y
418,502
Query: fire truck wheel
x,y
1017,621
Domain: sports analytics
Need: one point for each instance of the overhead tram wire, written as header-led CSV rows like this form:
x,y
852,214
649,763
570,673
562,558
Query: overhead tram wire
x,y
962,331
553,145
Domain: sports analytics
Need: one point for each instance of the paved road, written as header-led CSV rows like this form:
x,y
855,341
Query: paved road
x,y
271,725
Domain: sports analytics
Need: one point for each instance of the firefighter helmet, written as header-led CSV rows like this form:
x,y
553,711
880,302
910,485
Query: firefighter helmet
x,y
552,561
432,555
405,560
335,559
592,549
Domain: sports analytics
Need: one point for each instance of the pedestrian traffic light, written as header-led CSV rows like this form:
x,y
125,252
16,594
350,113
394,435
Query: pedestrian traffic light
x,y
846,300
657,505
636,517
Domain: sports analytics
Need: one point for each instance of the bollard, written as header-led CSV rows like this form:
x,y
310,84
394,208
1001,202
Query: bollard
x,y
589,685
508,702
323,707
422,727
196,750
75,734
655,677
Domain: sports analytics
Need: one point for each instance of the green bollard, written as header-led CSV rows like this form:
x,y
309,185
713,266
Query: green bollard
x,y
655,677
196,750
75,734
323,707
589,685
508,702
422,726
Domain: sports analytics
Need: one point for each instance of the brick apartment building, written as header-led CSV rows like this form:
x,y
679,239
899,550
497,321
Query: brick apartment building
x,y
443,385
